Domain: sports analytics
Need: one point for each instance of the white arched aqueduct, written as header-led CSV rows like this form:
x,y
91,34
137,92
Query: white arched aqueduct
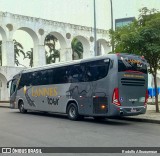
x,y
38,29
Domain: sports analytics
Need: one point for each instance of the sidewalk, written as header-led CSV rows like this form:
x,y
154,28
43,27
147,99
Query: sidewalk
x,y
151,116
2,104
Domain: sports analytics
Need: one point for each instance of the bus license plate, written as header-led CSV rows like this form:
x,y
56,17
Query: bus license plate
x,y
133,110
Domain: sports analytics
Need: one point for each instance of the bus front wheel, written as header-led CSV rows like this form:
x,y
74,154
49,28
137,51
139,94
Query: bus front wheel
x,y
21,107
72,112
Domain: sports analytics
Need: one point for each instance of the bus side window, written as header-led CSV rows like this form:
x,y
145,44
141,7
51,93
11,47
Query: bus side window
x,y
30,79
60,75
50,74
44,77
75,74
23,81
96,70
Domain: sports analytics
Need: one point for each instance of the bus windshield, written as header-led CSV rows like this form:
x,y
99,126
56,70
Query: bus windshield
x,y
13,86
131,63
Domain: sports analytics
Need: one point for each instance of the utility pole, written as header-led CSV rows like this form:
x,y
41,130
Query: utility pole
x,y
95,30
112,24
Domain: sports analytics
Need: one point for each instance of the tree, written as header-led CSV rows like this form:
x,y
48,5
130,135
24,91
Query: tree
x,y
52,54
18,48
29,55
77,48
143,38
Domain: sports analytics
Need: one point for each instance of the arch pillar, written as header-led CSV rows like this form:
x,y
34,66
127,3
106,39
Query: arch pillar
x,y
102,47
39,57
8,53
4,92
91,51
86,50
68,54
62,55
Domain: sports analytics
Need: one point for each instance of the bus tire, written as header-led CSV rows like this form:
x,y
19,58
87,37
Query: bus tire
x,y
72,112
21,107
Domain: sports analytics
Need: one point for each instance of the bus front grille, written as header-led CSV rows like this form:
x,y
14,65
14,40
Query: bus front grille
x,y
132,82
100,105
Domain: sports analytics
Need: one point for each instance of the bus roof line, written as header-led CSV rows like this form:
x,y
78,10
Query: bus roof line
x,y
59,64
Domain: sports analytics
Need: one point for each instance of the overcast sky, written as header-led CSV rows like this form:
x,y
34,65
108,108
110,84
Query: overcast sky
x,y
69,11
77,11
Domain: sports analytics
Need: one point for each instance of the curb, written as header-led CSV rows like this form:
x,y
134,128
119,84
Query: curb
x,y
4,101
140,120
6,105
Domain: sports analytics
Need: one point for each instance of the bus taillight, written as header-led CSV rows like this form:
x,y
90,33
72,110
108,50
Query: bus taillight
x,y
146,98
115,97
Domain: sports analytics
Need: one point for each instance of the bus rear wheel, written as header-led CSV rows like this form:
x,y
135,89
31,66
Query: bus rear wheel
x,y
21,107
72,112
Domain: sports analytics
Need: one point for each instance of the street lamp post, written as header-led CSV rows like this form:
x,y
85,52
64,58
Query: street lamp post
x,y
95,30
112,24
111,14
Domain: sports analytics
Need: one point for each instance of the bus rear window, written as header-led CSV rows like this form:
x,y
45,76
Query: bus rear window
x,y
132,63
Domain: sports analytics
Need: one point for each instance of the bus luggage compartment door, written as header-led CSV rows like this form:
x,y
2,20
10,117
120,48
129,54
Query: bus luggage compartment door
x,y
100,105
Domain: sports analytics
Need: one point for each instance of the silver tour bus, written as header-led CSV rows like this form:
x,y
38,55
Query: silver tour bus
x,y
103,86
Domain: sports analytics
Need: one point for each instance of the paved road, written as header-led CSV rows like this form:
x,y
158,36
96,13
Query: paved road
x,y
38,129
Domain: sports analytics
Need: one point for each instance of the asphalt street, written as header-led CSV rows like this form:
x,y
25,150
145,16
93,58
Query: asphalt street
x,y
48,130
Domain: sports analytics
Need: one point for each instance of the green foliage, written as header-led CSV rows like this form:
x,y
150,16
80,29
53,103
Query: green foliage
x,y
18,49
77,48
29,55
146,15
52,54
52,57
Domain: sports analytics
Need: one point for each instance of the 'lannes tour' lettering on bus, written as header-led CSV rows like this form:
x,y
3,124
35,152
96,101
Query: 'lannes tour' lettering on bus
x,y
44,91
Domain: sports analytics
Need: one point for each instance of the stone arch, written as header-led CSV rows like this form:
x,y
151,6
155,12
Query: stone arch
x,y
102,47
3,50
62,42
32,33
35,39
86,45
4,94
61,39
3,34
